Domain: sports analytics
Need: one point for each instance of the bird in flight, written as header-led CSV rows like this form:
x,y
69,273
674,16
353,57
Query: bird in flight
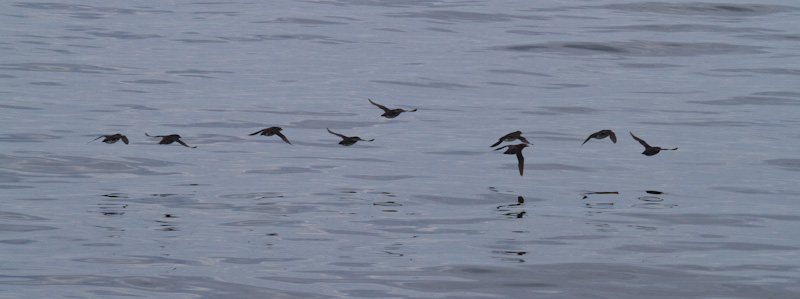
x,y
272,131
515,149
112,138
602,134
650,150
390,113
168,139
511,137
348,141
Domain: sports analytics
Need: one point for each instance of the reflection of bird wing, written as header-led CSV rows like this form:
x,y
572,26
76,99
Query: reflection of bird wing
x,y
184,144
522,139
337,134
612,136
282,137
380,106
124,138
259,131
640,141
521,161
96,138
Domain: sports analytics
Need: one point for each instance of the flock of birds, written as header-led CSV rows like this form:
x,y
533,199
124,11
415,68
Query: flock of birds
x,y
511,149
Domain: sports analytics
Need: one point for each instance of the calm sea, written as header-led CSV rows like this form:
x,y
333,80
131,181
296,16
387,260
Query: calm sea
x,y
427,209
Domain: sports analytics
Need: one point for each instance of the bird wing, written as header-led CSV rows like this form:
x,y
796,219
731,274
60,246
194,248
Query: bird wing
x,y
282,137
259,131
184,144
148,135
380,106
612,136
523,139
521,160
124,138
497,143
337,134
640,141
587,139
502,147
96,138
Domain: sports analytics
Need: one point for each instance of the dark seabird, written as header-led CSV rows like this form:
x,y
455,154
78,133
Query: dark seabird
x,y
390,113
348,141
602,134
650,150
112,138
511,137
272,131
515,149
167,139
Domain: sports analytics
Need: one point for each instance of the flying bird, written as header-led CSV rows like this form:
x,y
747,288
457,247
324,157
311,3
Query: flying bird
x,y
348,141
168,139
650,150
515,149
602,134
112,138
272,131
390,113
511,137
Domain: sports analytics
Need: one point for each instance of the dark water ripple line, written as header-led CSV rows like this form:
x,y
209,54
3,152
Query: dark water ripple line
x,y
19,216
699,8
138,260
22,228
300,21
124,35
686,246
636,48
453,16
87,8
441,85
59,67
752,100
786,164
770,71
679,28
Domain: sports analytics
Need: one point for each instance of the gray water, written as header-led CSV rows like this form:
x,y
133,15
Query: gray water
x,y
427,210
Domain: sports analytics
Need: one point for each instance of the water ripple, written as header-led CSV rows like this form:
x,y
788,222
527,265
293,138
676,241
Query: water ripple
x,y
705,9
635,48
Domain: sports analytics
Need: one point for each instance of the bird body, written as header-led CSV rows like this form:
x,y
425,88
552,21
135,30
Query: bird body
x,y
390,113
650,150
169,139
348,140
272,131
516,149
517,135
110,139
602,134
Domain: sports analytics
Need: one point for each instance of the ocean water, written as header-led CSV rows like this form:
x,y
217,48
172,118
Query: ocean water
x,y
427,209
